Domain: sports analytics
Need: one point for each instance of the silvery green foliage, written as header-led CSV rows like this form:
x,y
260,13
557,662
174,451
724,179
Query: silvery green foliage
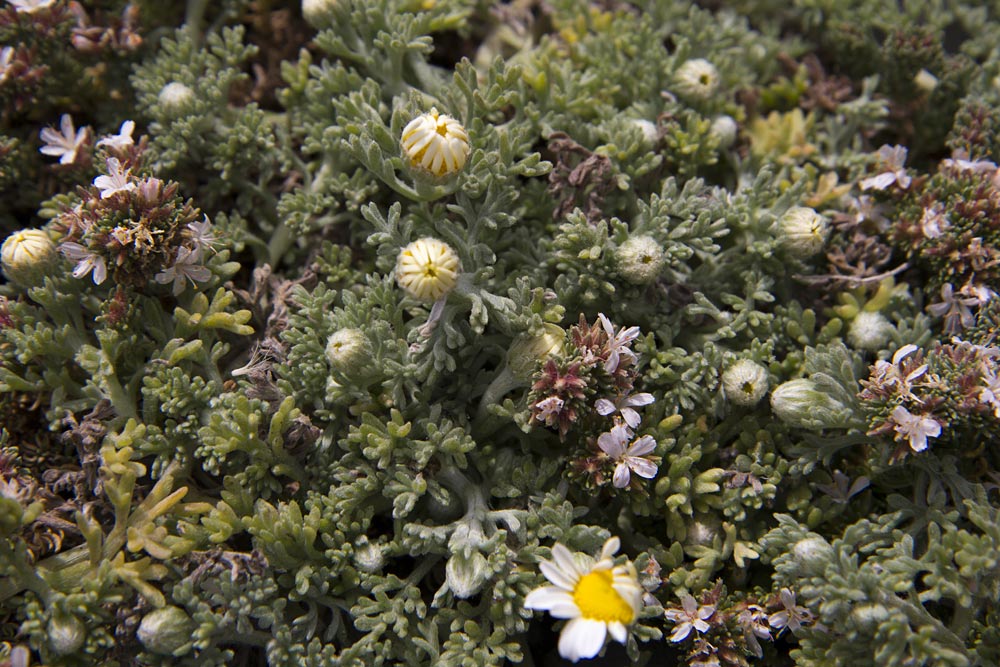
x,y
187,479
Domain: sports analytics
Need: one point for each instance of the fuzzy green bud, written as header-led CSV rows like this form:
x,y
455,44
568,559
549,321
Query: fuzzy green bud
x,y
466,575
724,129
27,255
812,554
526,352
166,631
368,556
869,331
803,231
174,97
745,382
696,80
66,634
347,351
640,260
650,135
802,404
318,13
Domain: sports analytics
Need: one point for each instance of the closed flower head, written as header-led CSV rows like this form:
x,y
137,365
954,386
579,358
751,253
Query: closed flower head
x,y
745,382
427,269
26,254
436,143
803,231
696,79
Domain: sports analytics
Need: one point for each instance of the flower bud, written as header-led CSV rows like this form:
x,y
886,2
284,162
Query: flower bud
x,y
812,554
696,80
465,576
166,631
318,13
368,556
11,515
648,130
803,231
66,634
526,352
869,331
802,404
724,129
435,143
427,269
745,382
640,260
174,97
27,255
347,351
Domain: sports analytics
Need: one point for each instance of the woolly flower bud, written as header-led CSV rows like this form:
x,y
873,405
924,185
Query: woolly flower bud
x,y
427,269
368,556
166,631
803,231
640,259
724,129
869,331
347,350
26,256
465,576
648,130
436,143
745,382
525,353
869,616
66,634
813,554
318,13
175,96
801,403
696,79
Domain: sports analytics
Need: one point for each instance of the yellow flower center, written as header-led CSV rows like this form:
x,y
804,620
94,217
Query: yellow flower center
x,y
599,601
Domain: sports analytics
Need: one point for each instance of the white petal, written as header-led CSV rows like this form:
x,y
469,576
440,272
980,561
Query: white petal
x,y
641,467
643,445
604,407
640,399
582,638
617,632
563,557
611,547
632,417
622,476
611,444
546,597
557,575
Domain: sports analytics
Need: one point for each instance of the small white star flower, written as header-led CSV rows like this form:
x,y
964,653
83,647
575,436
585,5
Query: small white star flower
x,y
891,159
934,221
955,309
689,617
186,266
990,394
436,142
792,616
598,597
427,269
86,261
200,236
122,139
626,404
549,410
619,343
629,459
915,428
30,6
65,143
116,179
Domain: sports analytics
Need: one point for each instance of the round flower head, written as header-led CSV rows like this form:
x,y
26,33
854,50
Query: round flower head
x,y
640,259
696,79
803,231
318,13
26,255
745,382
427,269
175,96
725,129
436,143
347,350
599,598
869,331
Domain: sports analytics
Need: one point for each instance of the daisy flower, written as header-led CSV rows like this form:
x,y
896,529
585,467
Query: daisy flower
x,y
628,456
599,598
436,142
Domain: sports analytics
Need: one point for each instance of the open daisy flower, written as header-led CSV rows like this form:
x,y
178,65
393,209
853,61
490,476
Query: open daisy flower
x,y
598,597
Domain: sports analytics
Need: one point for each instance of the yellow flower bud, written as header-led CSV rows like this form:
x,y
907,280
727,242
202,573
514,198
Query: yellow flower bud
x,y
26,255
436,143
427,269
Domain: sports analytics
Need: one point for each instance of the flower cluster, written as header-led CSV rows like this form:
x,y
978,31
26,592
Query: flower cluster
x,y
915,398
134,229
